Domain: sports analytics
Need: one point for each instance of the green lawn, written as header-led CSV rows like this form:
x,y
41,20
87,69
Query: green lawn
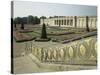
x,y
51,32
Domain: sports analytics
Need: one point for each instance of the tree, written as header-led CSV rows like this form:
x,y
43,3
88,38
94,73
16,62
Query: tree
x,y
87,26
50,17
22,25
24,19
55,16
44,34
30,19
14,22
18,20
15,25
43,17
33,20
27,20
36,20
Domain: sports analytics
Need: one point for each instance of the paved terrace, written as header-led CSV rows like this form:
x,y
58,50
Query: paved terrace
x,y
28,63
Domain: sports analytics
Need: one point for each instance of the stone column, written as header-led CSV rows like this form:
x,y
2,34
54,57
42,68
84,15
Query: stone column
x,y
87,26
95,23
75,21
66,21
59,23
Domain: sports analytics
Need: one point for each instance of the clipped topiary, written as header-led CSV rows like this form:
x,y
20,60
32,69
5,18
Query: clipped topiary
x,y
22,26
43,33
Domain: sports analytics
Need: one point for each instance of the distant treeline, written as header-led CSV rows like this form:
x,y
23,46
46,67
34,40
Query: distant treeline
x,y
28,20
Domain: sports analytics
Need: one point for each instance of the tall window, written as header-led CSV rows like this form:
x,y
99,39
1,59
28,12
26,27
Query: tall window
x,y
71,22
67,22
79,22
83,22
91,21
55,22
64,22
95,22
59,22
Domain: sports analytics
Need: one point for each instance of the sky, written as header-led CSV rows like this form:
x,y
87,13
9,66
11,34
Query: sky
x,y
25,8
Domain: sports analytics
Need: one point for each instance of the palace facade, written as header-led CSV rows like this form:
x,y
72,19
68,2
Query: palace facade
x,y
71,21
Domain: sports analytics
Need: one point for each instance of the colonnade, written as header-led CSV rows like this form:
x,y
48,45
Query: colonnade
x,y
72,21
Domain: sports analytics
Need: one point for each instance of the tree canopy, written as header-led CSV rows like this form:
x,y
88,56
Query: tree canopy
x,y
27,20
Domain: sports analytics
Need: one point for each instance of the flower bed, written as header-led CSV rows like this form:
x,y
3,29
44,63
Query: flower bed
x,y
21,37
89,34
25,31
42,40
64,33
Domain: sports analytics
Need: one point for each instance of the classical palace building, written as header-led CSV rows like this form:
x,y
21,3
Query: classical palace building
x,y
71,21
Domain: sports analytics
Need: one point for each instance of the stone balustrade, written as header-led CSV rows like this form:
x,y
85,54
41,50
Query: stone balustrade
x,y
78,52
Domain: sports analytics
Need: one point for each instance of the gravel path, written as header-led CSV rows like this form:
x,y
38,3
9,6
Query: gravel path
x,y
30,64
